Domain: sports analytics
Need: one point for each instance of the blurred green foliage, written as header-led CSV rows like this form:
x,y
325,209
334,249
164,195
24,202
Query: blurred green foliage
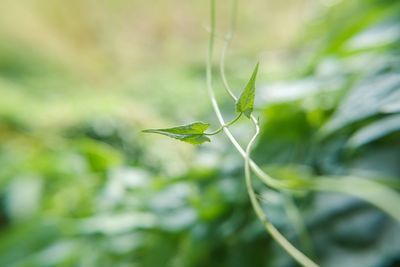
x,y
80,186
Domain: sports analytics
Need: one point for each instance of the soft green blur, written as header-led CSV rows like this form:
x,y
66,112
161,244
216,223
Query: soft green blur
x,y
80,185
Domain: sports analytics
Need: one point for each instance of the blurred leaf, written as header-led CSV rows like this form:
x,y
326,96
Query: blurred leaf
x,y
245,102
366,237
285,138
24,239
392,103
375,131
376,36
192,133
111,224
99,155
365,100
375,193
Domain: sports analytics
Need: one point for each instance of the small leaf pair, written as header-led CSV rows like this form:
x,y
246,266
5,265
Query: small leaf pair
x,y
194,133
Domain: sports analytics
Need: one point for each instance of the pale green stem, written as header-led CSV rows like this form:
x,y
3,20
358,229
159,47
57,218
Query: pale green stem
x,y
296,254
292,211
260,173
297,221
227,43
266,178
292,250
225,125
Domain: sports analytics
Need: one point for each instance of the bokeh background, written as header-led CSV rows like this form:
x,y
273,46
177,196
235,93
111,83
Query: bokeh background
x,y
81,186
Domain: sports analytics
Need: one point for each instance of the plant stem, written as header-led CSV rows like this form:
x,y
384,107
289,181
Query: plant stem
x,y
261,174
292,250
227,43
225,125
298,223
296,254
291,208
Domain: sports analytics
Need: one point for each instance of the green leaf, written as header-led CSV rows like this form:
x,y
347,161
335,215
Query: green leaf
x,y
192,133
375,130
371,191
372,96
245,102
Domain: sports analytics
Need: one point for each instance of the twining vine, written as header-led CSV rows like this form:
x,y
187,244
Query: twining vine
x,y
196,133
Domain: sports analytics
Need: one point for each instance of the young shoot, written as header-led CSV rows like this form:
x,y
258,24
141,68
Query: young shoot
x,y
196,133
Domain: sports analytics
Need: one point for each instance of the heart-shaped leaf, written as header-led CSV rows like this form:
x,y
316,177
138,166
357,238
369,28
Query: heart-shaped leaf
x,y
192,133
245,102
